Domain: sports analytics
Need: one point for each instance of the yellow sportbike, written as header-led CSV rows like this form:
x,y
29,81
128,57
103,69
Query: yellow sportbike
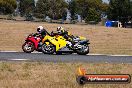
x,y
58,44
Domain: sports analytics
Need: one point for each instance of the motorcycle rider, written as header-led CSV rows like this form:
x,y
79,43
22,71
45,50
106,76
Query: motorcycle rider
x,y
61,31
42,33
67,35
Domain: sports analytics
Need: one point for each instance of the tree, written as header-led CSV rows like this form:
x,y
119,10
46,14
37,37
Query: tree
x,y
85,5
26,7
87,8
104,7
42,8
118,9
7,6
52,8
73,7
93,16
57,8
82,7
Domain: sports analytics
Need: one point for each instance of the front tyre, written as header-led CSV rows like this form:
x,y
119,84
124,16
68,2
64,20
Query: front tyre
x,y
28,47
83,50
48,49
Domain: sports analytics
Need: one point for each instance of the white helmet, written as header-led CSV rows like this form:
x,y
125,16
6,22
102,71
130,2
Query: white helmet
x,y
40,28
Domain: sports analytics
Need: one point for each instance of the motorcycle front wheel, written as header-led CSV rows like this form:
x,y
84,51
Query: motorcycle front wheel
x,y
28,47
48,49
84,50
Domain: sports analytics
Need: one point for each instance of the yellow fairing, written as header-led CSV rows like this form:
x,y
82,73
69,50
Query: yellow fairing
x,y
69,33
47,43
45,38
82,38
59,41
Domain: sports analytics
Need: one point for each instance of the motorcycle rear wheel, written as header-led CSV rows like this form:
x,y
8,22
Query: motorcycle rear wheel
x,y
28,48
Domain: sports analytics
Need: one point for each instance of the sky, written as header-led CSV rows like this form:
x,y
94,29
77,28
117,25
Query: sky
x,y
105,1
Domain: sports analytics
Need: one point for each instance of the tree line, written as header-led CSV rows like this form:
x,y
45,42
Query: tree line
x,y
90,10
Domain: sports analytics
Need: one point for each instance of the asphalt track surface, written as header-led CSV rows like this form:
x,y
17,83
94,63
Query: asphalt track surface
x,y
21,56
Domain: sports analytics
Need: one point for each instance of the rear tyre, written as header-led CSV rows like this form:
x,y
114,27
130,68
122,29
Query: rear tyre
x,y
28,47
84,50
48,49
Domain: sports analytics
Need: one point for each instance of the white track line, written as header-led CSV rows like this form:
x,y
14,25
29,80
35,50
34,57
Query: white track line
x,y
18,59
95,54
119,55
108,55
9,51
36,52
87,54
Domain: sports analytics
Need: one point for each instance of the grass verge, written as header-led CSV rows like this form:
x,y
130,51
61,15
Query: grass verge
x,y
56,75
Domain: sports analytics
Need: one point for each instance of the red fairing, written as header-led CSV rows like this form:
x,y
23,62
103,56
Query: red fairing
x,y
35,41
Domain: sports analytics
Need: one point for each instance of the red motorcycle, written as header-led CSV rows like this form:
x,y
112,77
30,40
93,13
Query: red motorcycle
x,y
32,43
